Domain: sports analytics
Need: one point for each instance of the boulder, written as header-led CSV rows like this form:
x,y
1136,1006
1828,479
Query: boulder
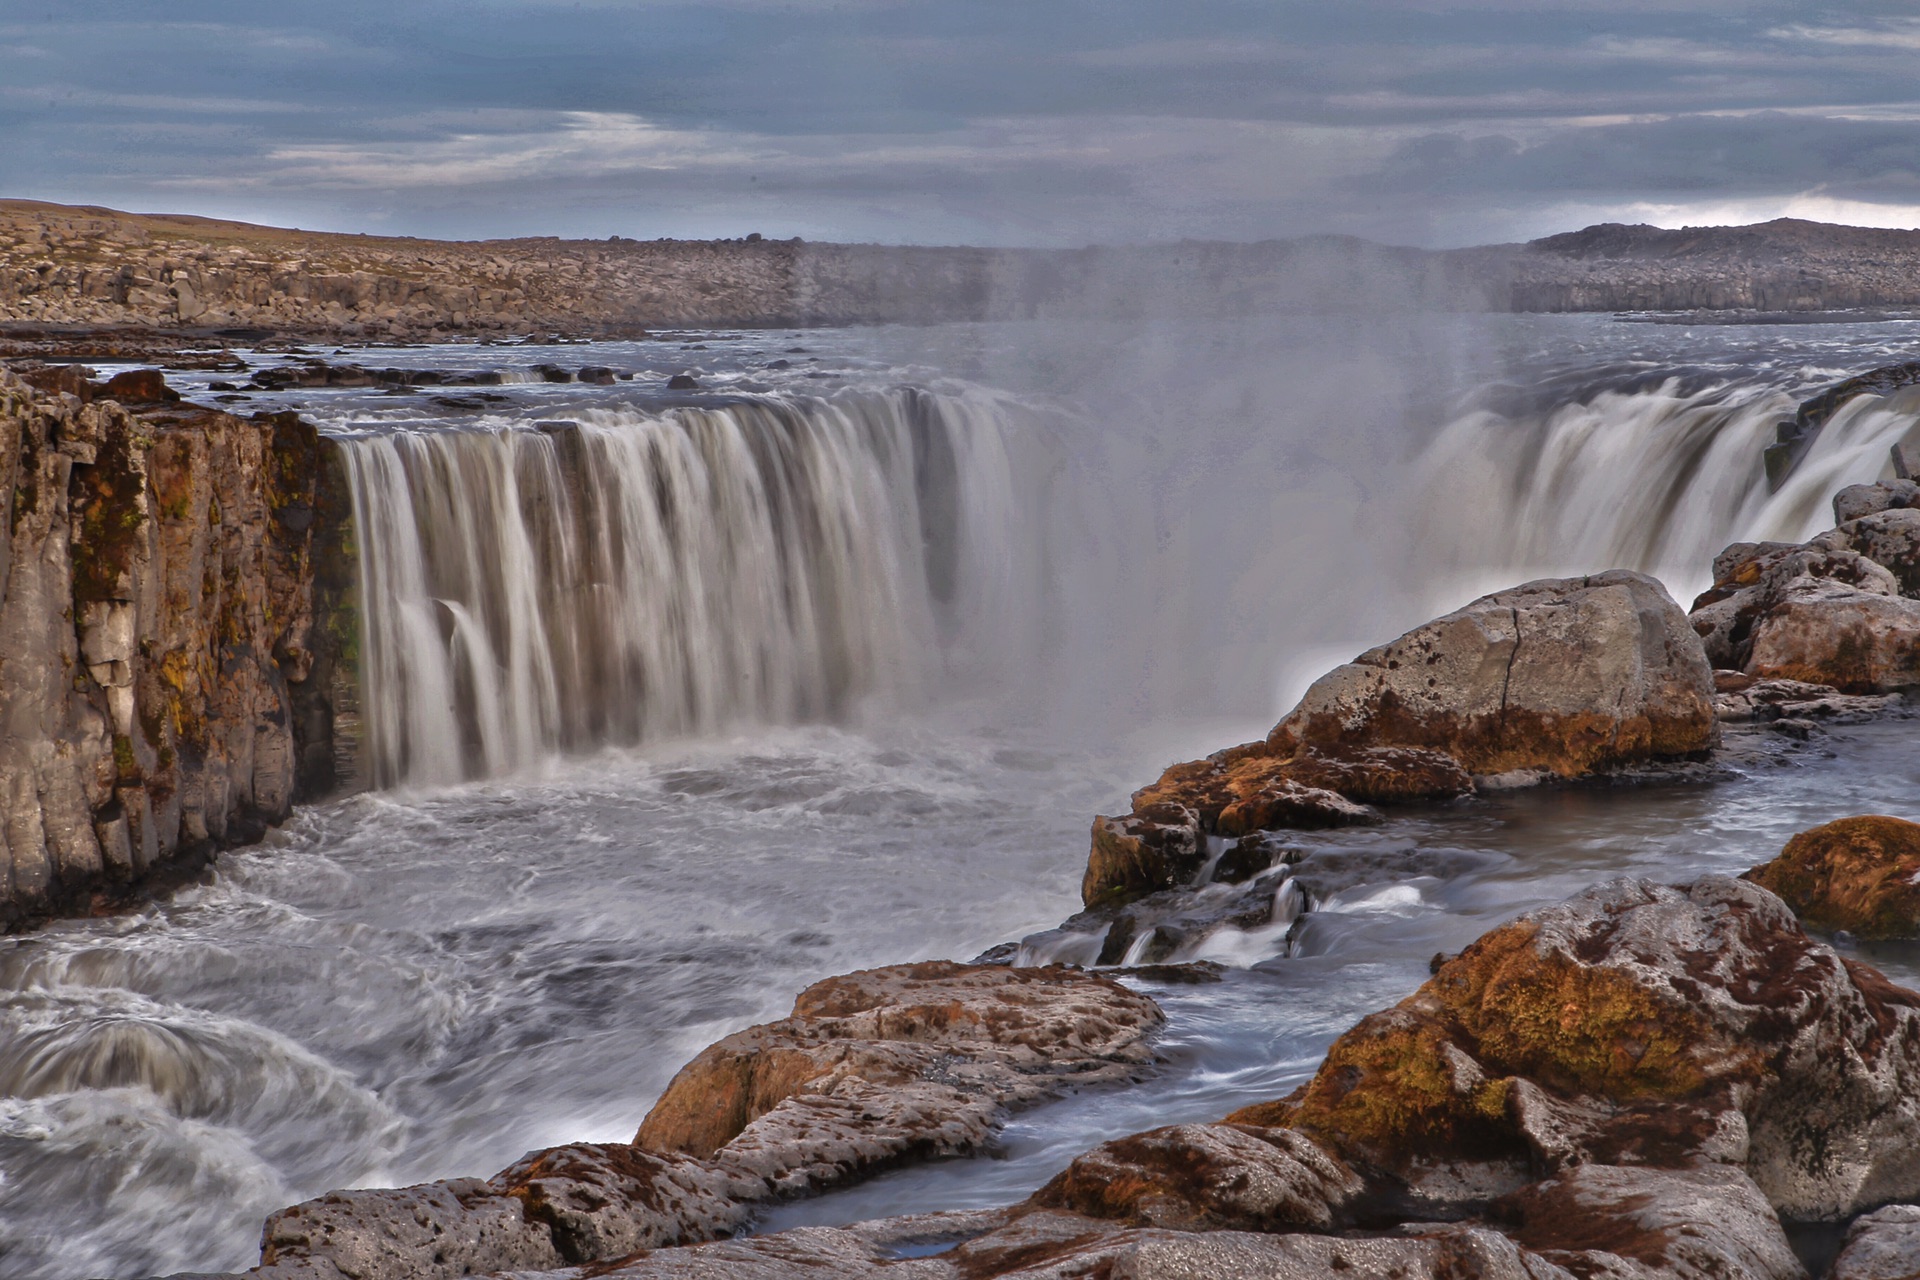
x,y
1208,1177
1882,1245
683,382
1856,874
1636,1024
1890,539
1824,632
919,1060
1857,500
1676,1224
1753,585
139,386
1558,677
1569,676
1155,847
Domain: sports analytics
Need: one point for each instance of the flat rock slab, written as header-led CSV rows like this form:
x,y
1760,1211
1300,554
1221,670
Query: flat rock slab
x,y
872,1070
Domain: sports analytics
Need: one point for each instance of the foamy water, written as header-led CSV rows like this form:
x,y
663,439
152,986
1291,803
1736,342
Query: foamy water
x,y
1138,546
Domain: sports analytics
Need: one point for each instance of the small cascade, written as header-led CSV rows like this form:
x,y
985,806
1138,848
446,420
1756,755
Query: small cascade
x,y
629,577
1659,480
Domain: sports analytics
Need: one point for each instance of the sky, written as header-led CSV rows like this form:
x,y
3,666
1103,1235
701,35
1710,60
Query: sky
x,y
1010,122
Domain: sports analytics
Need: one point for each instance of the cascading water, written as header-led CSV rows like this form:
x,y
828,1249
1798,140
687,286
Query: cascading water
x,y
1658,479
630,577
421,983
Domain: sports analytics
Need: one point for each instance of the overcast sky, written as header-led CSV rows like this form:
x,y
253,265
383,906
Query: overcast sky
x,y
977,121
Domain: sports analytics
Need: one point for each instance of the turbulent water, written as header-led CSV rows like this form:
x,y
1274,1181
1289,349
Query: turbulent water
x,y
680,701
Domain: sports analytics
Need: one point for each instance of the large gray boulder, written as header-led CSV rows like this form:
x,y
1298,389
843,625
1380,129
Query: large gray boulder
x,y
1566,676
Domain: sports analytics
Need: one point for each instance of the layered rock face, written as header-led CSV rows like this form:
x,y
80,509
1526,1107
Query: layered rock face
x,y
1552,679
164,655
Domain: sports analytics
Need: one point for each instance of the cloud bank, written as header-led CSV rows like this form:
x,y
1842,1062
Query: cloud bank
x,y
990,121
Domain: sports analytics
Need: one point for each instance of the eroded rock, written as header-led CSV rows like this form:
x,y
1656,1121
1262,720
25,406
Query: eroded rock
x,y
873,1068
916,1061
1672,1224
1856,874
1564,675
1883,1245
1634,1024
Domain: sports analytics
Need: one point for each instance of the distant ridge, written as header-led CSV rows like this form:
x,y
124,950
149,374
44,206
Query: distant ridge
x,y
84,267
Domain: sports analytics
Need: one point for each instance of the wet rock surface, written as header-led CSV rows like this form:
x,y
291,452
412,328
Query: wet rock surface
x,y
1562,678
1568,675
873,1069
1856,874
1839,610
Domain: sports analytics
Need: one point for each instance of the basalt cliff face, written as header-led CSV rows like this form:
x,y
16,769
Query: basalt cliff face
x,y
173,620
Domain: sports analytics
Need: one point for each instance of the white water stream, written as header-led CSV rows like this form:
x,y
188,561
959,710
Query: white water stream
x,y
710,696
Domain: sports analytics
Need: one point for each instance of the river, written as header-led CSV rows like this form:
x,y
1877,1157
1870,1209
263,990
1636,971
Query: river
x,y
683,700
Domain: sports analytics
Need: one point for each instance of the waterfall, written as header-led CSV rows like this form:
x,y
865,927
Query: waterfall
x,y
1658,479
631,576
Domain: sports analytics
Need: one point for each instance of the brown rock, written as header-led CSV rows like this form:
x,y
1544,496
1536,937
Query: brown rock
x,y
1207,1177
919,1060
1857,500
1634,1023
1247,789
1682,1224
1822,632
1564,675
873,1068
1156,847
1856,874
139,386
1890,539
160,640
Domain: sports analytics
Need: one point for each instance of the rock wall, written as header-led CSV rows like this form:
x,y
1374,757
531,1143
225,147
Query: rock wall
x,y
167,653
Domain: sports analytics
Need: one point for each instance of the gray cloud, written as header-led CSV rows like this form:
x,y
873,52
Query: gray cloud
x,y
992,120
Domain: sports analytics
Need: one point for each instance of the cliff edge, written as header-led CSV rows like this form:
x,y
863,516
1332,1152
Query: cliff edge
x,y
167,647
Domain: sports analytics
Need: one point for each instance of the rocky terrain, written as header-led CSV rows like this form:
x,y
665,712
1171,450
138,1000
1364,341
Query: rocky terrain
x,y
64,268
1647,1080
1787,265
174,609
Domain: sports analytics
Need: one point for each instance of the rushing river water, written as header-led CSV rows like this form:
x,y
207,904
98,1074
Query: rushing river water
x,y
828,664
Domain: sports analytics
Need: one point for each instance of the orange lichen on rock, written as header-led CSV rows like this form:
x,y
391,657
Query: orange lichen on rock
x,y
1433,1076
1856,874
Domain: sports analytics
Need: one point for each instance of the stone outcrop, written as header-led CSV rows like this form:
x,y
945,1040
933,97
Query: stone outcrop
x,y
164,655
1558,678
1641,1083
1839,610
1561,676
1635,1025
873,1069
1856,874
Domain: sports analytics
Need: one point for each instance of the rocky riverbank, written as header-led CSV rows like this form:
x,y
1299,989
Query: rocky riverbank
x,y
1647,1080
175,609
66,269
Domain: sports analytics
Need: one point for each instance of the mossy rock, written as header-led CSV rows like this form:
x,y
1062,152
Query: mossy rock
x,y
1856,874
